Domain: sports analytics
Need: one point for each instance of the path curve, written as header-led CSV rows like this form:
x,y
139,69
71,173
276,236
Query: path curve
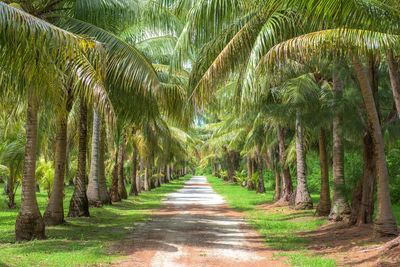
x,y
195,228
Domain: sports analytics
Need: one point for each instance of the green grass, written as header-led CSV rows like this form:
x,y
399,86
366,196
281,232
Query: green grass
x,y
280,230
81,241
302,259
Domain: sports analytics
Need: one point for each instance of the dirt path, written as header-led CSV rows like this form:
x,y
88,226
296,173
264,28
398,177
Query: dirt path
x,y
195,228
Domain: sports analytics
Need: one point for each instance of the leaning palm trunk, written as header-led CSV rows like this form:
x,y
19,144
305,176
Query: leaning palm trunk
x,y
385,223
303,199
54,214
30,224
134,188
121,178
104,196
287,186
340,207
93,193
79,205
394,79
324,205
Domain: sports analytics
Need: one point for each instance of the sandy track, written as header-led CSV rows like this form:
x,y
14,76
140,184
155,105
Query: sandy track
x,y
195,228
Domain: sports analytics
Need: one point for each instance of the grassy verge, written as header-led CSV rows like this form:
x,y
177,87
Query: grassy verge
x,y
81,241
278,229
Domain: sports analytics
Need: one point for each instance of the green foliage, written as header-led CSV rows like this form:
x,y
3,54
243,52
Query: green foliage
x,y
241,177
83,241
393,160
45,174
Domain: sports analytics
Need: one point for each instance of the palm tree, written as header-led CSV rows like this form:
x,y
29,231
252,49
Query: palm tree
x,y
79,205
17,25
385,223
93,190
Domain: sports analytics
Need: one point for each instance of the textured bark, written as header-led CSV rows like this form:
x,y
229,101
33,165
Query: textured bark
x,y
303,199
140,175
362,203
260,184
168,173
385,223
394,79
54,214
147,173
340,207
287,185
231,166
249,171
10,190
134,191
30,224
277,193
165,173
252,185
121,176
104,196
93,192
114,194
324,205
79,205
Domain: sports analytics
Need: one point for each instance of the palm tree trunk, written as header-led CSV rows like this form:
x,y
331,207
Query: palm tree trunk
x,y
121,178
168,173
147,172
362,203
79,205
11,180
30,224
385,223
277,193
340,207
93,193
249,169
54,214
134,190
104,196
140,176
114,194
287,186
303,199
260,184
394,75
165,173
324,205
231,166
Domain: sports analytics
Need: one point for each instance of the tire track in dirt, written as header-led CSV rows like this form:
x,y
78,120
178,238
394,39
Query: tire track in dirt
x,y
195,228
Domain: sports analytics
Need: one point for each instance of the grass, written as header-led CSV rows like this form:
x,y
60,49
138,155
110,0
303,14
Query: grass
x,y
280,229
81,241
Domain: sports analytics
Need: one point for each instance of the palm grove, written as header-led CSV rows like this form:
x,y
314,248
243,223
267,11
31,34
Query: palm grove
x,y
100,84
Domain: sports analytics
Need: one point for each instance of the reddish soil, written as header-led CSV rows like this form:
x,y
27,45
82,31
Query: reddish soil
x,y
196,244
195,235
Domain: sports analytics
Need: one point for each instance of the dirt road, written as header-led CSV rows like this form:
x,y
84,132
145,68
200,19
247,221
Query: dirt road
x,y
195,228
